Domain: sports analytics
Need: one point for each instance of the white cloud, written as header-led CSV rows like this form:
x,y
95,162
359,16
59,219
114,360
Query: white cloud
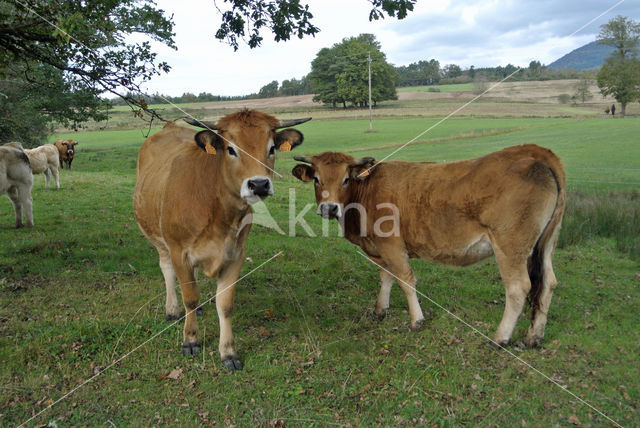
x,y
479,32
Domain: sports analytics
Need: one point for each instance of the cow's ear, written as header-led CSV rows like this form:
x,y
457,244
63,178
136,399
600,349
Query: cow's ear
x,y
75,143
288,139
209,141
303,172
362,168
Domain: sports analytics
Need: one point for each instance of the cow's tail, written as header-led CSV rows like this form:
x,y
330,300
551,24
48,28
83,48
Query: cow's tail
x,y
539,263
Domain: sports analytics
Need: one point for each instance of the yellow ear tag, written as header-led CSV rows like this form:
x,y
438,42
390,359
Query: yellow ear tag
x,y
364,173
210,149
285,147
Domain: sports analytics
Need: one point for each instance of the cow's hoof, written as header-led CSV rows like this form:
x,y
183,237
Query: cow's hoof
x,y
418,325
378,316
171,317
497,344
232,363
532,342
199,311
191,348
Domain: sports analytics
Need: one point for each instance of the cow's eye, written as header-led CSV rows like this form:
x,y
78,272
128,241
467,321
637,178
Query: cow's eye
x,y
272,150
345,181
232,152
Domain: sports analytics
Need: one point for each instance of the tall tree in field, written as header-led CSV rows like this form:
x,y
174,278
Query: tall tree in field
x,y
340,73
620,74
582,92
57,56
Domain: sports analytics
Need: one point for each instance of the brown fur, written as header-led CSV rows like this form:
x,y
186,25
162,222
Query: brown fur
x,y
509,203
66,149
188,203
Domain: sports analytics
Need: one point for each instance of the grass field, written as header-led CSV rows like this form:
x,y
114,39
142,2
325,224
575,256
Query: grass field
x,y
83,289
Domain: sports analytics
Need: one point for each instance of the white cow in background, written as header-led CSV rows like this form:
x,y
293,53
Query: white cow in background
x,y
44,159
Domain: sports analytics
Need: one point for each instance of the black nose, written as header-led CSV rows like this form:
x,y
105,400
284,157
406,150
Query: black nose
x,y
328,210
259,186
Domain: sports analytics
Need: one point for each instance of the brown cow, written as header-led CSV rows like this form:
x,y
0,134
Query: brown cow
x,y
67,150
193,191
508,203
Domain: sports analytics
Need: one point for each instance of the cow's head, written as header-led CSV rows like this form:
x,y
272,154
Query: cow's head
x,y
70,146
245,147
333,175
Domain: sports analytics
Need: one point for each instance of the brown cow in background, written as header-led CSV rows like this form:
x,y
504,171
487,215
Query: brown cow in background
x,y
192,198
509,203
67,150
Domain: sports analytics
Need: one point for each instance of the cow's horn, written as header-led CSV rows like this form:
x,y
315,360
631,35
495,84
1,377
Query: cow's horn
x,y
292,122
201,123
303,159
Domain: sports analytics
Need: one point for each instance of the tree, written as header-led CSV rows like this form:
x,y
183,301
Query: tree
x,y
620,75
61,54
340,73
419,73
284,18
269,91
451,71
582,91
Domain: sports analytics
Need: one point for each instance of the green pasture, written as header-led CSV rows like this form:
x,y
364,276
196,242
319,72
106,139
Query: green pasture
x,y
82,290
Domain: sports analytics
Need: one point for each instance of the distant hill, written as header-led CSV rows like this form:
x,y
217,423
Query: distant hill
x,y
588,56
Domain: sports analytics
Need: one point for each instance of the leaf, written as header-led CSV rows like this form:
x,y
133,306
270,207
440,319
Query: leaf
x,y
264,332
175,374
573,419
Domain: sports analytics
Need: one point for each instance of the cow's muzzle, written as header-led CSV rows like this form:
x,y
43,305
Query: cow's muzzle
x,y
256,188
329,210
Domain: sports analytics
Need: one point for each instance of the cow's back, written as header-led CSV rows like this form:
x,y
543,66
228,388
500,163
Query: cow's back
x,y
442,206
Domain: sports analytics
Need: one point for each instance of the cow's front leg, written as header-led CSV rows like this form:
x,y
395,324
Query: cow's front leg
x,y
382,304
397,265
225,294
191,299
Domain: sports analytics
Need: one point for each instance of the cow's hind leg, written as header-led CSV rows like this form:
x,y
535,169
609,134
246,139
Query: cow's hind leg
x,y
172,308
225,294
47,178
191,299
517,285
382,304
22,204
543,298
56,176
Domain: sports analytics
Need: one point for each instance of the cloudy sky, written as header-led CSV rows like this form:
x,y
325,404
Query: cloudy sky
x,y
463,32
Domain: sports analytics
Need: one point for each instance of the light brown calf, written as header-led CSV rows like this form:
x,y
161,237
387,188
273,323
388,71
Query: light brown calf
x,y
193,191
508,203
44,159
